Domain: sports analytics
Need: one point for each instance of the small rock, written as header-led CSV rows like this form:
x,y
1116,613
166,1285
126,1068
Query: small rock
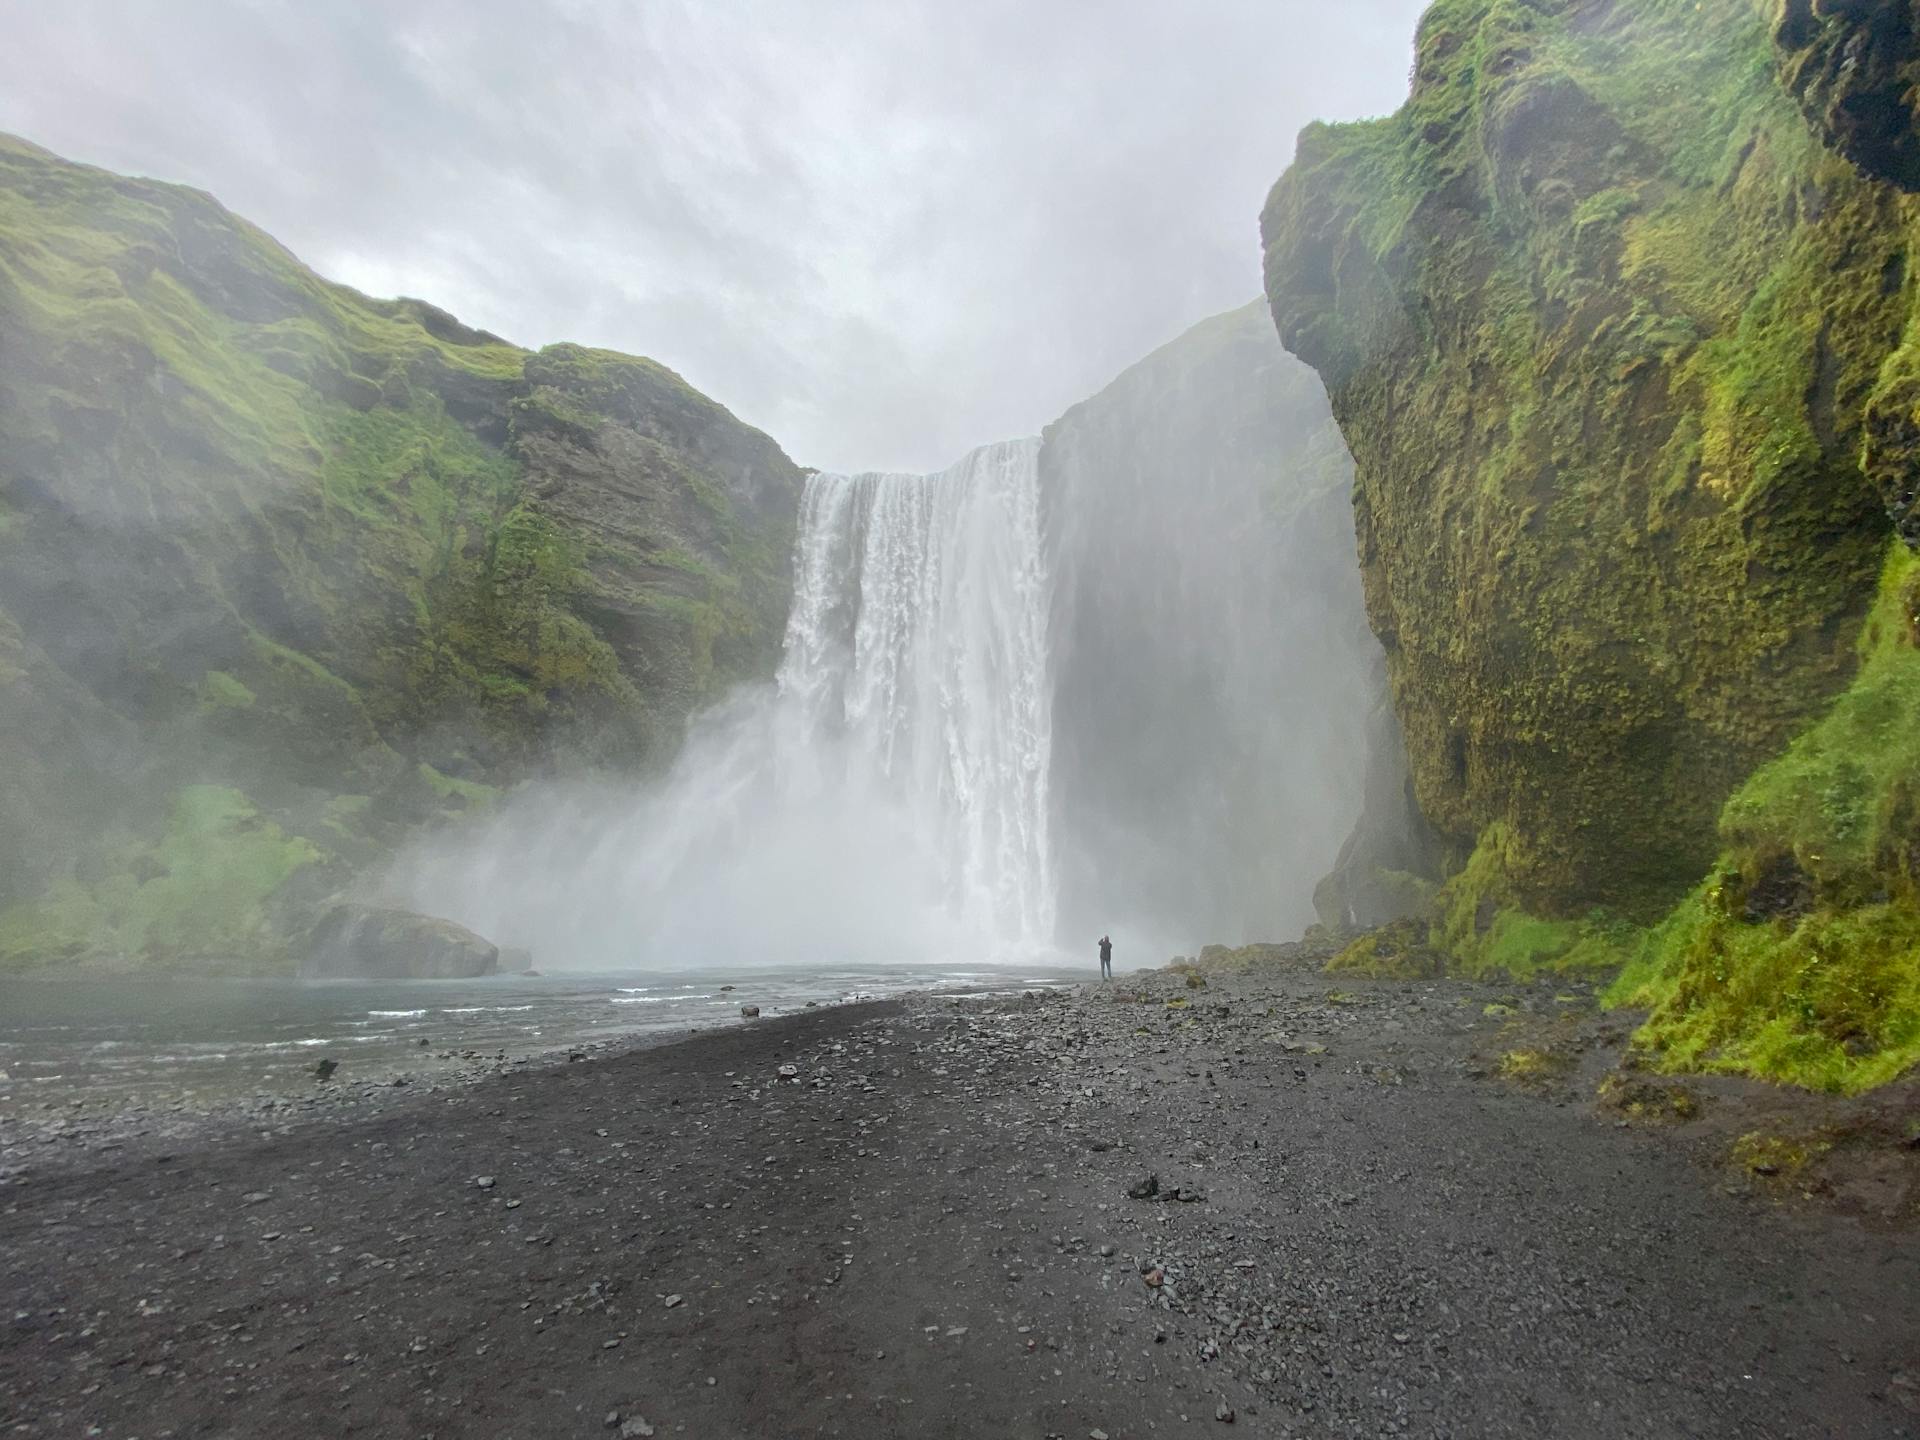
x,y
1145,1188
485,1182
323,1071
633,1426
1223,1412
673,1300
750,1012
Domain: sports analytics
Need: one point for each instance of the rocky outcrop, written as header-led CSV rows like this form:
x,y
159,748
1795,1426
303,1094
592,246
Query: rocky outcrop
x,y
1854,66
1617,315
287,573
1602,365
1212,670
362,942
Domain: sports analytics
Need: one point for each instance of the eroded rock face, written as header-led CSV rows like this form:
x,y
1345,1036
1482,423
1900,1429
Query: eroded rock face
x,y
1605,365
1853,65
364,942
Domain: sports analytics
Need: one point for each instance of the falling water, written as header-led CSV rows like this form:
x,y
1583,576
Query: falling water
x,y
885,799
917,652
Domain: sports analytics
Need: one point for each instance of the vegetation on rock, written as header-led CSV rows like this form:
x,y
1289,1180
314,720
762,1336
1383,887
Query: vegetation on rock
x,y
1616,316
287,572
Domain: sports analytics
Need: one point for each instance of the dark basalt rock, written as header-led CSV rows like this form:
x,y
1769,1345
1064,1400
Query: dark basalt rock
x,y
364,942
1853,65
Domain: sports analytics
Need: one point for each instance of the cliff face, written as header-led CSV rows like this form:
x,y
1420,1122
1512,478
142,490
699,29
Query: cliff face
x,y
1615,314
1602,363
286,572
1212,670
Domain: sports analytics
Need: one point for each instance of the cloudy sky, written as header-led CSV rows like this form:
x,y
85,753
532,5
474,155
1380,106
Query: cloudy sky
x,y
885,231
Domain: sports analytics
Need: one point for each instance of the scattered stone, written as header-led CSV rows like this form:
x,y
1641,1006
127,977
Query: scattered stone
x,y
1145,1188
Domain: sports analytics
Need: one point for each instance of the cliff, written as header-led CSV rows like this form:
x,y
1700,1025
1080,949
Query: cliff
x,y
1212,668
1615,315
287,572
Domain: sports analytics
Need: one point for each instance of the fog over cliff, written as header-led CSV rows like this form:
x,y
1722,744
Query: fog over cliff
x,y
1110,681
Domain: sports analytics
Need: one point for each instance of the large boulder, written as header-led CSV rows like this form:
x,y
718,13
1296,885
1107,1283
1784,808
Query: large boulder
x,y
365,942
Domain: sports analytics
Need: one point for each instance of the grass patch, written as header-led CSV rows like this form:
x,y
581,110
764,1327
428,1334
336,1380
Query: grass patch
x,y
1798,960
202,889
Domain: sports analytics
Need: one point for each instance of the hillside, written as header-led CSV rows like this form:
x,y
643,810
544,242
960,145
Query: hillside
x,y
287,572
1616,317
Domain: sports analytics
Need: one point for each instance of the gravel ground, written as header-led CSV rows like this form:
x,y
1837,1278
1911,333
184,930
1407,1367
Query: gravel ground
x,y
1135,1209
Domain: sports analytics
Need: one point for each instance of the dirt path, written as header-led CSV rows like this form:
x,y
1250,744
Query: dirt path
x,y
926,1231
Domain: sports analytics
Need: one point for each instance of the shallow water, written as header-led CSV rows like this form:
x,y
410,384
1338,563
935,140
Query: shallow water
x,y
160,1041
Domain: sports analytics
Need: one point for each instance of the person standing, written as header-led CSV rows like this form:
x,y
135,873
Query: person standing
x,y
1106,958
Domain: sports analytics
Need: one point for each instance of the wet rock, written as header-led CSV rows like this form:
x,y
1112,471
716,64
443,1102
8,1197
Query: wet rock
x,y
750,1012
323,1071
369,943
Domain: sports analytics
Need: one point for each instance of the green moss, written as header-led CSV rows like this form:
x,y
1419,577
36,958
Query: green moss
x,y
374,535
448,787
1599,318
201,890
1798,959
1533,1066
1483,931
1394,952
221,691
1761,1153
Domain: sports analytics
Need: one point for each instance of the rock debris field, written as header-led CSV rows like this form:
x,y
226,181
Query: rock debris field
x,y
1258,1206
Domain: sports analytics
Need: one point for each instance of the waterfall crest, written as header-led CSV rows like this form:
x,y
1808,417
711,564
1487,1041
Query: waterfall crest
x,y
916,652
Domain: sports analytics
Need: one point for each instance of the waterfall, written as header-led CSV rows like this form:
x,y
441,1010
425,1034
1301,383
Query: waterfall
x,y
884,800
916,652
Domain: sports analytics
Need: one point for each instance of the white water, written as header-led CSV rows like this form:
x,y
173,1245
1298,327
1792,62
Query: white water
x,y
885,800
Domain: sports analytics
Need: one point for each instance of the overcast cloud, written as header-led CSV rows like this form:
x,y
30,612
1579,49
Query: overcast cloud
x,y
884,231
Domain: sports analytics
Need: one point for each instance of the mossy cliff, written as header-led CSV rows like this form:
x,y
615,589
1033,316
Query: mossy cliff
x,y
1615,315
286,572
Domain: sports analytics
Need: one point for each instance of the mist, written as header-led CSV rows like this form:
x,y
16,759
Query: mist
x,y
1113,681
883,801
